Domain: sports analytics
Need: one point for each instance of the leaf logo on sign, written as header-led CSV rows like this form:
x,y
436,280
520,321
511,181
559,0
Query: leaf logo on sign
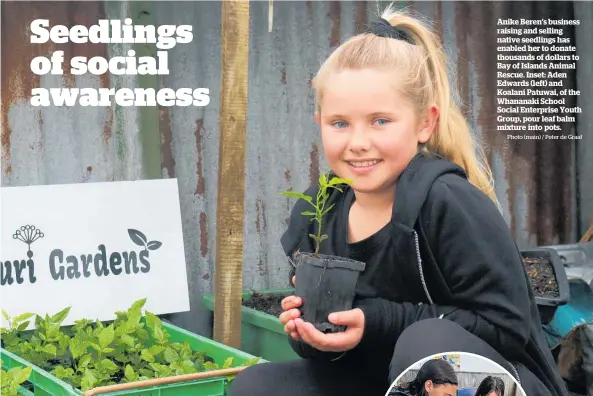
x,y
140,239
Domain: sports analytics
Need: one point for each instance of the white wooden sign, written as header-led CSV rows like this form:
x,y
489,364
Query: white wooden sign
x,y
96,247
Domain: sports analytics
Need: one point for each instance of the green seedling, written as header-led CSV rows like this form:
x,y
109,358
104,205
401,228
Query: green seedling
x,y
13,378
133,347
325,183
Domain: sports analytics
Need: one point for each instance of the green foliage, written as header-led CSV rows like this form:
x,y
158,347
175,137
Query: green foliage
x,y
318,204
13,378
93,353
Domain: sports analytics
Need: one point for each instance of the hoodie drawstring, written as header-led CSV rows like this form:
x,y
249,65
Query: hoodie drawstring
x,y
425,287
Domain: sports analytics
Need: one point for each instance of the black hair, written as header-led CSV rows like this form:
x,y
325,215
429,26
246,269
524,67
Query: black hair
x,y
439,371
490,384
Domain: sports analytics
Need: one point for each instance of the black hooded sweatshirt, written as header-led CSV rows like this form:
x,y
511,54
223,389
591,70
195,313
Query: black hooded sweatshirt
x,y
447,252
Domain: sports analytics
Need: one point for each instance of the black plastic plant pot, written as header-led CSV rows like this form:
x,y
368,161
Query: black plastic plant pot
x,y
548,280
326,284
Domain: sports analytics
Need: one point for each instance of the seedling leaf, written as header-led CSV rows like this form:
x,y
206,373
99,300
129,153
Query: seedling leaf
x,y
127,340
337,180
228,362
50,349
156,349
296,194
138,304
19,374
137,237
129,373
106,336
108,365
147,356
170,355
60,316
326,211
23,326
22,317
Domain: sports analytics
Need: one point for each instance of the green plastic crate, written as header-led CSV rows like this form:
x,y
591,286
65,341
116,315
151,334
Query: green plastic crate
x,y
25,392
45,384
261,334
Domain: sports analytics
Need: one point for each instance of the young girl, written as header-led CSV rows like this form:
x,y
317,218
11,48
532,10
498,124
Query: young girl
x,y
443,273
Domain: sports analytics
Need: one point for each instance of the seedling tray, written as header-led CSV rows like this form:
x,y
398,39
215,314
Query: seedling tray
x,y
544,267
46,384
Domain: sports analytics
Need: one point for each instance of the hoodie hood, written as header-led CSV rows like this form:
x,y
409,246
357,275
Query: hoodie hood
x,y
415,183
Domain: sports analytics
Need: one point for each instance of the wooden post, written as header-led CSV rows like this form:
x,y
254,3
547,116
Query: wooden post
x,y
231,172
588,234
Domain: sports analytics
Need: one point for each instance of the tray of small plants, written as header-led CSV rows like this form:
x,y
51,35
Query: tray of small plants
x,y
135,354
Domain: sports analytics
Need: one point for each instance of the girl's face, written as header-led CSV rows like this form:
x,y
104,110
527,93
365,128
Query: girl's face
x,y
440,390
370,131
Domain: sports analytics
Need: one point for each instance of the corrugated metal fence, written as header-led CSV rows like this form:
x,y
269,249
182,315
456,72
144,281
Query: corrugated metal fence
x,y
545,187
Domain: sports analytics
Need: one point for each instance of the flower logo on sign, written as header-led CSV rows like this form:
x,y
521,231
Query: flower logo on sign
x,y
28,234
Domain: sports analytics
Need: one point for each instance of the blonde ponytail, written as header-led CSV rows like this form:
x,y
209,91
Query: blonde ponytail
x,y
452,138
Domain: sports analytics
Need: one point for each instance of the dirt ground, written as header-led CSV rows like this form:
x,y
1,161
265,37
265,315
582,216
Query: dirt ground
x,y
269,304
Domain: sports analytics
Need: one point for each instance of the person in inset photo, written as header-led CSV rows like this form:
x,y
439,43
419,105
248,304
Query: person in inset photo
x,y
490,386
436,377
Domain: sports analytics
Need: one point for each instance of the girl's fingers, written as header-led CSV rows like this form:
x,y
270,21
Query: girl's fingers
x,y
291,302
289,315
295,336
290,326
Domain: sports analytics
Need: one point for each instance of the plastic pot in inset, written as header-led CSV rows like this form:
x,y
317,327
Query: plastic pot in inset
x,y
326,284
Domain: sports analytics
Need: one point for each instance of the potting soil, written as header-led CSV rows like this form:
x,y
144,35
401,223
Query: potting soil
x,y
266,303
542,277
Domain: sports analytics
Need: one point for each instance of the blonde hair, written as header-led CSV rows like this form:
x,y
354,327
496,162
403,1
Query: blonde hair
x,y
423,71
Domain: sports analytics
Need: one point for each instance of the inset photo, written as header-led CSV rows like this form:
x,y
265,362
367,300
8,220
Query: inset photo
x,y
455,374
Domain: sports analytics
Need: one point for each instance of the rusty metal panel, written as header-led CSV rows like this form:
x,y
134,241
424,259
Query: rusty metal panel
x,y
543,200
584,154
60,144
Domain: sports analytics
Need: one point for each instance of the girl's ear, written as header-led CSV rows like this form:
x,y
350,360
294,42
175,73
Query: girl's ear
x,y
428,386
427,124
317,118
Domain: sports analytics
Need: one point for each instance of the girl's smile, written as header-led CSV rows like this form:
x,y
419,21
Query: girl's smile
x,y
363,166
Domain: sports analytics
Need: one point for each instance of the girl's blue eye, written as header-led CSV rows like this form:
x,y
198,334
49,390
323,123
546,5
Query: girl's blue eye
x,y
382,121
339,124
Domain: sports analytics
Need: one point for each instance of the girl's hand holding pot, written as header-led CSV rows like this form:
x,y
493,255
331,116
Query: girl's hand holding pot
x,y
300,330
334,342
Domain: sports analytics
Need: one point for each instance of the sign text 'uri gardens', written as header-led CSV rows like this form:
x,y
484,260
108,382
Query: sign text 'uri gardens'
x,y
95,247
